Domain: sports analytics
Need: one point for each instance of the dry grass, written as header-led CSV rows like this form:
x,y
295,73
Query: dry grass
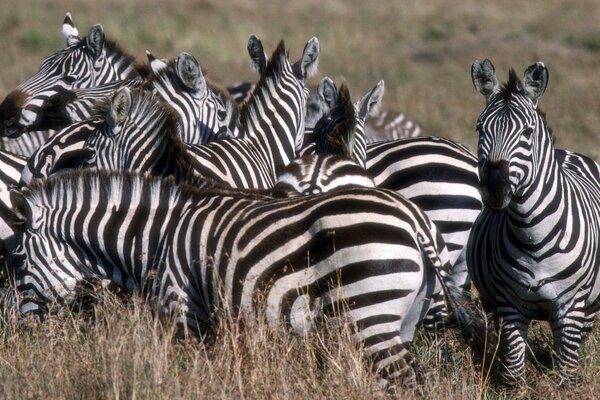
x,y
121,350
423,50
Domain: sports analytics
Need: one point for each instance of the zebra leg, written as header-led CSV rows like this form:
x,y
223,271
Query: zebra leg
x,y
568,335
393,363
512,327
434,325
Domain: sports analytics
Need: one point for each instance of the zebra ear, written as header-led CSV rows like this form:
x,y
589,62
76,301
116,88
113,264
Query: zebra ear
x,y
119,106
370,104
309,63
70,32
95,41
258,57
21,207
328,92
156,64
189,72
483,75
535,80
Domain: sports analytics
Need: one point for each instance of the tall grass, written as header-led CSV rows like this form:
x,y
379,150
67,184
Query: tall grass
x,y
122,350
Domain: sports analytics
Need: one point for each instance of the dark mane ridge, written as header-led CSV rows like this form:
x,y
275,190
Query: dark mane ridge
x,y
72,179
272,71
344,119
512,86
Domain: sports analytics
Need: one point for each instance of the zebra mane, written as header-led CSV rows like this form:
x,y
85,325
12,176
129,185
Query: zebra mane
x,y
512,87
105,184
272,72
338,139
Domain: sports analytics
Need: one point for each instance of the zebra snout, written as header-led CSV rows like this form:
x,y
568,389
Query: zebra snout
x,y
10,112
494,181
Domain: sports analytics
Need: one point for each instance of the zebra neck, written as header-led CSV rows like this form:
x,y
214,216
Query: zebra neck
x,y
539,208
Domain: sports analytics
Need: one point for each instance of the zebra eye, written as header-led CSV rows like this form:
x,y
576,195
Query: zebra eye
x,y
70,79
527,132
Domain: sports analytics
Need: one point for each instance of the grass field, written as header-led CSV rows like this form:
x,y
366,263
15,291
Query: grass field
x,y
423,50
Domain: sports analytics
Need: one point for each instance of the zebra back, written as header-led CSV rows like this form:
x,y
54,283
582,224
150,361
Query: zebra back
x,y
390,125
85,63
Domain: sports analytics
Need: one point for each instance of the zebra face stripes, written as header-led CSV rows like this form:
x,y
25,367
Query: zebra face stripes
x,y
533,252
202,247
85,63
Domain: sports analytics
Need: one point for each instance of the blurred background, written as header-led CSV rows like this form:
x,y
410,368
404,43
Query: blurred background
x,y
422,49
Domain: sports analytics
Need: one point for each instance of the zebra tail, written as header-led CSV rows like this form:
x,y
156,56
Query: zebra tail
x,y
458,301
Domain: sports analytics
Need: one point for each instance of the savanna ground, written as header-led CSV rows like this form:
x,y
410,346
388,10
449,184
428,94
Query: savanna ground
x,y
423,51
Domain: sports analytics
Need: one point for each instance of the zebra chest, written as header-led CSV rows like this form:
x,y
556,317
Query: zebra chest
x,y
531,284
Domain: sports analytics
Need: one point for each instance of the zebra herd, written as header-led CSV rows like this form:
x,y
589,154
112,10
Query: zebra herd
x,y
272,200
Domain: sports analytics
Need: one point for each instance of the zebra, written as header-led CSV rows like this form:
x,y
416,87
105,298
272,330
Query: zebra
x,y
438,174
195,251
99,142
208,114
336,163
271,126
75,105
86,62
390,125
533,251
379,125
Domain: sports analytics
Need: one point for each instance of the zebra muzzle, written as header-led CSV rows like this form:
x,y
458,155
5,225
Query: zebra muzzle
x,y
495,184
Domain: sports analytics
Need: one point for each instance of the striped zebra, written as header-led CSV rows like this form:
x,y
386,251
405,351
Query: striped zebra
x,y
10,173
390,125
75,105
254,160
439,175
206,111
336,163
533,252
195,251
271,126
86,62
379,125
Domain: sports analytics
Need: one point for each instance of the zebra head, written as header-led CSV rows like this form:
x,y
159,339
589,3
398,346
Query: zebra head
x,y
207,112
511,131
41,275
304,68
140,133
36,104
